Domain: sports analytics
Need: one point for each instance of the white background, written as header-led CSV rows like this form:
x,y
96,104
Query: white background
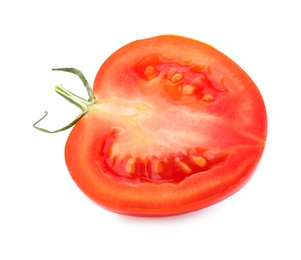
x,y
43,215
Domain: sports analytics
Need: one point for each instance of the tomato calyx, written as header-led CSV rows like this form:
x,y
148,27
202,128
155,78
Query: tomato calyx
x,y
83,104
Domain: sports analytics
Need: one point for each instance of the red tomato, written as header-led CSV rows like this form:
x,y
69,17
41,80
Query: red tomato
x,y
173,126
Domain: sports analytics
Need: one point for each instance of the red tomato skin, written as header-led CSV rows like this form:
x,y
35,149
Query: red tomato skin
x,y
197,191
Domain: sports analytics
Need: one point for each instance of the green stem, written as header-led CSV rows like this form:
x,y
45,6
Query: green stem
x,y
78,101
58,130
72,98
82,77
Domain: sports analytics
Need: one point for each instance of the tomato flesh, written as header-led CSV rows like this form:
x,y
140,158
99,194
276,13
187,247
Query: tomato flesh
x,y
177,127
186,84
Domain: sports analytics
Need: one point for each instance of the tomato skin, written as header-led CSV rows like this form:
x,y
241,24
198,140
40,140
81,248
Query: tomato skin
x,y
241,107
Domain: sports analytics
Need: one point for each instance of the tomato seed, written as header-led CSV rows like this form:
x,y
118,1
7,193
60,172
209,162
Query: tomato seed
x,y
150,72
210,154
171,72
188,90
198,81
207,98
176,78
185,167
199,160
130,166
157,166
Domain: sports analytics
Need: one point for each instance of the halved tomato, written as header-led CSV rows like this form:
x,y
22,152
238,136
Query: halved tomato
x,y
172,126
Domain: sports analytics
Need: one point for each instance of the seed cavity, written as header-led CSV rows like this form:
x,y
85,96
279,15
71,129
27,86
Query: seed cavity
x,y
172,167
184,82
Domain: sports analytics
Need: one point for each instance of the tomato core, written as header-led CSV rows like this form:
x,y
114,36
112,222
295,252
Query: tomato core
x,y
182,83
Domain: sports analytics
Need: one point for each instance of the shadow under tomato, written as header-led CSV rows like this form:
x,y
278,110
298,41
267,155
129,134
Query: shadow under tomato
x,y
203,213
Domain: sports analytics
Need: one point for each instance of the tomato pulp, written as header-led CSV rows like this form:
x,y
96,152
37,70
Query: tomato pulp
x,y
174,126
